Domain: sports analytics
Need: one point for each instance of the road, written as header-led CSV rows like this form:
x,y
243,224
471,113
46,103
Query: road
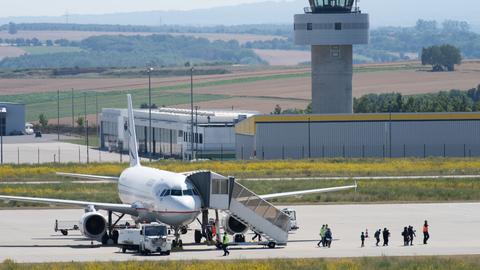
x,y
27,235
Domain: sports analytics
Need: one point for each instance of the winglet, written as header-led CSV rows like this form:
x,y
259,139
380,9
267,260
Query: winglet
x,y
130,128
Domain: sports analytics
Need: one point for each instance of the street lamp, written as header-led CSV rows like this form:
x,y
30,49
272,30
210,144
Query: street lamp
x,y
150,133
191,113
2,126
197,137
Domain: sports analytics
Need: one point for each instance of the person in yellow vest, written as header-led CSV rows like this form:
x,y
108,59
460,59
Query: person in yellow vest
x,y
225,244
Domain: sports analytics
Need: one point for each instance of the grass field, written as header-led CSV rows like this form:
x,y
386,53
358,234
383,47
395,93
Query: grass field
x,y
278,168
48,50
381,263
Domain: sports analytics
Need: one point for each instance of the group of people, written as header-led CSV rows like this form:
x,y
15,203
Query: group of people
x,y
326,236
408,235
385,235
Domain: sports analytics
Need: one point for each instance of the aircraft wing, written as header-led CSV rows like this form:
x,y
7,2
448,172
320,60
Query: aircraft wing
x,y
120,208
306,192
88,176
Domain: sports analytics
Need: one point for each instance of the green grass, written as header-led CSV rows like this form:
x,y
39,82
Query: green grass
x,y
379,263
105,100
49,50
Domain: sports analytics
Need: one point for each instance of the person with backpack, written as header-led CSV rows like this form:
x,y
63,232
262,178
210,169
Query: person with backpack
x,y
377,236
328,237
411,235
405,236
386,235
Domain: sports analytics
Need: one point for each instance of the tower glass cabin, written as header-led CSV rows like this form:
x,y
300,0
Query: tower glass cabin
x,y
331,6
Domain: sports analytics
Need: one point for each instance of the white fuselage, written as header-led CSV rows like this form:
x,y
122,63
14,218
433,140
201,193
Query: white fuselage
x,y
159,196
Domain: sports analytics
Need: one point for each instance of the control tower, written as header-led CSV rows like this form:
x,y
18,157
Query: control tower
x,y
331,27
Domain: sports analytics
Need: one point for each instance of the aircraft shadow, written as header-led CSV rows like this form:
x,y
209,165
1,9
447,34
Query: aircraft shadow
x,y
52,246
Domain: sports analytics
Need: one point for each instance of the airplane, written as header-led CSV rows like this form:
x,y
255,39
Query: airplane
x,y
147,195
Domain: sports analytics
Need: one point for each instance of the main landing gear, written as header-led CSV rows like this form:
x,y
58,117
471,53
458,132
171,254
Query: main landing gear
x,y
111,236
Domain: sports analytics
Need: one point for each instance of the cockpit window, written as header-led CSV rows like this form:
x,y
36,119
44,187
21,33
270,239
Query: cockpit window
x,y
176,192
195,192
188,192
167,192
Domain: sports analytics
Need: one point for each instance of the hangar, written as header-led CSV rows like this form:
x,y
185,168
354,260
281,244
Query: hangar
x,y
358,135
12,118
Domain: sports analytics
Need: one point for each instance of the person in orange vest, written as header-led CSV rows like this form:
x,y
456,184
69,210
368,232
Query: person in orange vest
x,y
214,230
426,235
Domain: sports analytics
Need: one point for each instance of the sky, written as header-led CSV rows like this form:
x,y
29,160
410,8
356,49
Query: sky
x,y
13,8
382,12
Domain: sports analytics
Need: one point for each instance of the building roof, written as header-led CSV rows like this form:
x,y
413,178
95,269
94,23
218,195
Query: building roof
x,y
248,126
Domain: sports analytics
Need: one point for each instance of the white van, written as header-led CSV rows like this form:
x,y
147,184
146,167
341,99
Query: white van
x,y
29,129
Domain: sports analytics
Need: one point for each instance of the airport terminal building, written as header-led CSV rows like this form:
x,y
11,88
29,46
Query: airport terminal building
x,y
358,135
214,133
12,118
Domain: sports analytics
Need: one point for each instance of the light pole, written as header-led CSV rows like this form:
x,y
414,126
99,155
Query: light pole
x,y
390,128
150,133
197,138
2,121
191,113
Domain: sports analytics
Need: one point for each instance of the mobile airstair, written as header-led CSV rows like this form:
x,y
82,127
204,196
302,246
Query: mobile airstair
x,y
224,193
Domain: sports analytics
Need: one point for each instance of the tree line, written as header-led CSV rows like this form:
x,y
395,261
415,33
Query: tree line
x,y
444,101
138,51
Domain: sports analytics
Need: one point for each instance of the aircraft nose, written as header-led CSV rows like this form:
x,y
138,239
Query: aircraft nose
x,y
185,204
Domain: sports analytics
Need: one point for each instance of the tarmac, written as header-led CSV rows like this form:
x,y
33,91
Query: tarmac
x,y
28,236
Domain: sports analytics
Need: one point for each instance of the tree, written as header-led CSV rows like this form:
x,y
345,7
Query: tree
x,y
277,110
80,121
49,43
42,119
12,28
442,58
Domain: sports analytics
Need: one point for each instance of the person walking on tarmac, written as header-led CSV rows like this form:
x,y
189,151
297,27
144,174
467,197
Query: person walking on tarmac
x,y
328,237
386,235
322,236
362,238
426,235
225,244
405,236
411,235
377,236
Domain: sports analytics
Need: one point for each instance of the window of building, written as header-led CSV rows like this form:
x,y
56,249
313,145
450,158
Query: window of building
x,y
338,26
309,26
201,138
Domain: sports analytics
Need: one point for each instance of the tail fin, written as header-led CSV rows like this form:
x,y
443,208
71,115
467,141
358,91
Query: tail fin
x,y
133,146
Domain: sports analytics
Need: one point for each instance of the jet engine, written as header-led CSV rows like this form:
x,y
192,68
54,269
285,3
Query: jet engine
x,y
233,226
93,225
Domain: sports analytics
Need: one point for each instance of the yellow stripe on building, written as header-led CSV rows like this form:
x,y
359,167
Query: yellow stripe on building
x,y
248,126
